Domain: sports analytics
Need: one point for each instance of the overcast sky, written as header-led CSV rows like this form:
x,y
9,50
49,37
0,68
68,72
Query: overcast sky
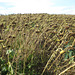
x,y
37,6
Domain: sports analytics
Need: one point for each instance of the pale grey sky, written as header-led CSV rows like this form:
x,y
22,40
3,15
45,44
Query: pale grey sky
x,y
37,6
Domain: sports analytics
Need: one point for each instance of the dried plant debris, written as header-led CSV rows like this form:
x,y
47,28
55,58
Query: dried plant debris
x,y
37,39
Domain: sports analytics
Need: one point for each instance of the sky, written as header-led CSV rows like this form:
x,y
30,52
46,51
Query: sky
x,y
37,6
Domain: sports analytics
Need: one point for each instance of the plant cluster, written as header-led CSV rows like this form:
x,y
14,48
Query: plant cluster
x,y
37,44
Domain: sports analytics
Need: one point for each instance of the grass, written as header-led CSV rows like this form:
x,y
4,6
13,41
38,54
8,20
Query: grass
x,y
37,44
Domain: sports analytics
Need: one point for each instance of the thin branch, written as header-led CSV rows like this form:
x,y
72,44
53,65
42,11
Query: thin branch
x,y
67,69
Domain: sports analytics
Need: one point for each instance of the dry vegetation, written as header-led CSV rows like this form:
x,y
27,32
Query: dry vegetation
x,y
37,44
